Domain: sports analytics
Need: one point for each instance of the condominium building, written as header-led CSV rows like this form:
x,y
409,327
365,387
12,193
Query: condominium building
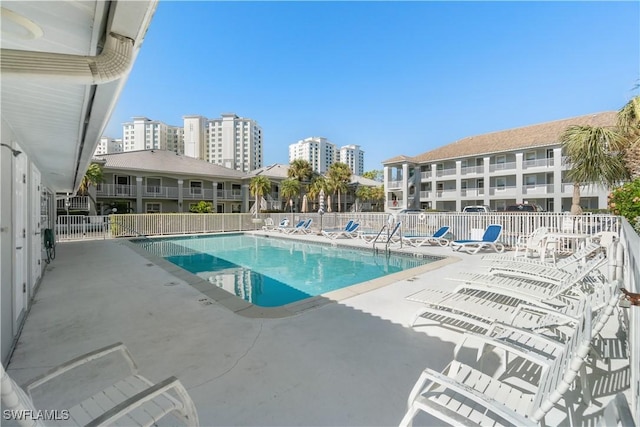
x,y
146,134
317,150
353,157
108,145
233,142
522,165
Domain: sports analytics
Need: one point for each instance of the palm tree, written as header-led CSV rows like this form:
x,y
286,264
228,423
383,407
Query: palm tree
x,y
629,127
259,186
317,183
289,188
363,193
300,170
93,176
595,155
338,176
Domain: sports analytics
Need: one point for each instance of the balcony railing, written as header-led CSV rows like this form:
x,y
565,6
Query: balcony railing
x,y
425,194
448,193
75,203
537,189
502,191
164,192
472,192
446,172
426,175
395,184
537,163
502,166
469,170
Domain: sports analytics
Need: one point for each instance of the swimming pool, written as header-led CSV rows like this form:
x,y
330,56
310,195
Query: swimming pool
x,y
272,272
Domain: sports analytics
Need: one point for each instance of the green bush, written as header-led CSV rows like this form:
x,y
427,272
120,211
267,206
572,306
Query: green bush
x,y
202,207
625,201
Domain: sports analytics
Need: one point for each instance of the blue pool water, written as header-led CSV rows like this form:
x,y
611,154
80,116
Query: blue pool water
x,y
271,272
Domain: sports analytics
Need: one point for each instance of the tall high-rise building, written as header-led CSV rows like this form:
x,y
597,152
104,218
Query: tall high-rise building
x,y
353,156
233,142
318,151
145,134
108,145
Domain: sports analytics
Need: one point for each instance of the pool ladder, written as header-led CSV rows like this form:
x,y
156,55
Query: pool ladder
x,y
396,229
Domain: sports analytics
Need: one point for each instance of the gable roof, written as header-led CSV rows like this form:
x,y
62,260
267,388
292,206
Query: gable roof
x,y
163,161
539,135
272,171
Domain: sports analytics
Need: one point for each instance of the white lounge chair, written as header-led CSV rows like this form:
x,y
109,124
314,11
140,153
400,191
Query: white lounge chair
x,y
286,229
462,395
350,231
132,400
506,262
540,288
531,243
489,241
418,240
303,228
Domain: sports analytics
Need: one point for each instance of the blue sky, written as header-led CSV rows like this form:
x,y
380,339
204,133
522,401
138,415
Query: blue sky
x,y
393,77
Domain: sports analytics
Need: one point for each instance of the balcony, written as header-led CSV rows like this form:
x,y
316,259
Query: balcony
x,y
471,170
116,190
395,184
503,191
75,203
447,194
472,192
496,167
538,163
425,175
537,189
425,194
446,172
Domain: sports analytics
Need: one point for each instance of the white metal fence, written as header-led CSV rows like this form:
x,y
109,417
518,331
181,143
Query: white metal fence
x,y
463,225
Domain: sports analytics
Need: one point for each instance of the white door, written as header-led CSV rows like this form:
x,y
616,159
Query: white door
x,y
35,233
20,239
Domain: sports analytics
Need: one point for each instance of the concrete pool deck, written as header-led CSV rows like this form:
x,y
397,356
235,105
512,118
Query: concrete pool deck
x,y
346,362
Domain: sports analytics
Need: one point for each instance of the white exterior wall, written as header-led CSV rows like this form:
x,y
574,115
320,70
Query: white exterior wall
x,y
318,151
352,156
194,136
522,178
234,142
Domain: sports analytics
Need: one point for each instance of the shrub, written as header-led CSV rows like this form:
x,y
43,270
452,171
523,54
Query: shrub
x,y
202,207
625,201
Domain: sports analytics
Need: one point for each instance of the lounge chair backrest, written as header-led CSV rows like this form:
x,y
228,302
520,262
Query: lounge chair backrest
x,y
307,223
492,233
354,226
284,222
349,225
559,376
536,238
300,223
441,232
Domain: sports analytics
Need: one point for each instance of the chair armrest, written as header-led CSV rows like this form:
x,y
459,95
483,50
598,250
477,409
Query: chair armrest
x,y
144,396
480,398
81,360
506,346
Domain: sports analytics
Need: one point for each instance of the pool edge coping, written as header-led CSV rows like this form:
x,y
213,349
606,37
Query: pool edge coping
x,y
246,309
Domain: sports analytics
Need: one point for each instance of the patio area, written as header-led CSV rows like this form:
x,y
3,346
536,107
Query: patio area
x,y
346,362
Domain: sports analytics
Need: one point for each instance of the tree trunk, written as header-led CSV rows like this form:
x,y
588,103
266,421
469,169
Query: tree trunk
x,y
575,200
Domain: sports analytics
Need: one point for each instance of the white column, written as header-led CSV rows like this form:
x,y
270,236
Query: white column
x,y
180,183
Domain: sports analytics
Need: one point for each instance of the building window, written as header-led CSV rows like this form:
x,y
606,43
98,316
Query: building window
x,y
530,156
530,180
195,188
153,207
501,183
153,185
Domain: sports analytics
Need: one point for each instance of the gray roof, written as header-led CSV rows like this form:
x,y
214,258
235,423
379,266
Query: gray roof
x,y
360,180
163,161
277,171
539,135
